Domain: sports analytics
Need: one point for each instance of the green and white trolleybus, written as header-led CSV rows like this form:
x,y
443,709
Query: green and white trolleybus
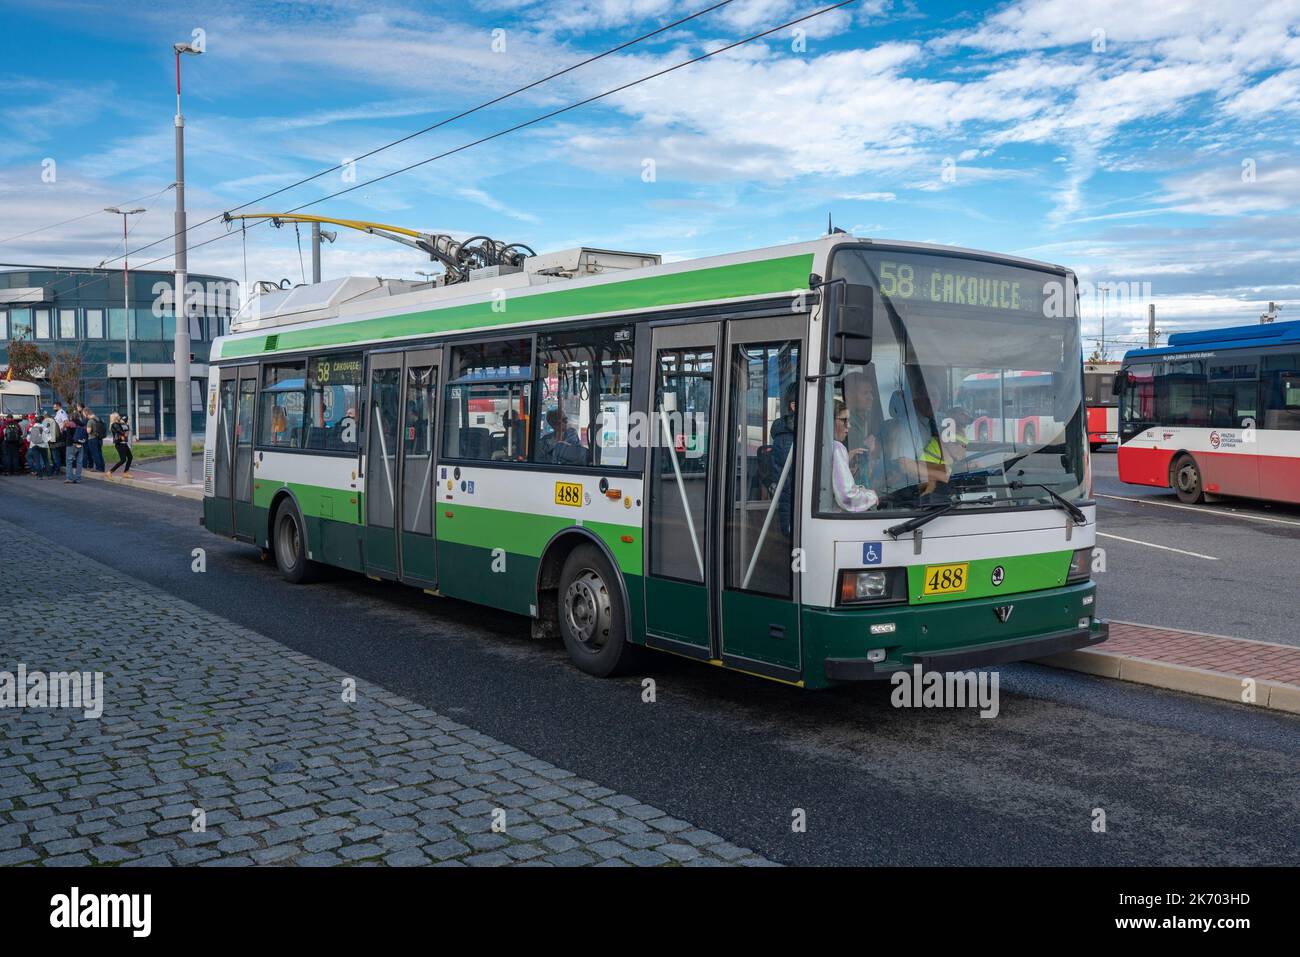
x,y
764,461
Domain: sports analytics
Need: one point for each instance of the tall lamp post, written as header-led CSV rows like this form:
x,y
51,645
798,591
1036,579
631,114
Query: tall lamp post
x,y
126,309
182,338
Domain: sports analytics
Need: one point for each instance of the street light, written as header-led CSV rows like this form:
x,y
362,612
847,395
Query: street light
x,y
126,309
181,340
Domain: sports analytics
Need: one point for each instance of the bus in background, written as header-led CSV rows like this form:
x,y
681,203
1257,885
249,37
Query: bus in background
x,y
1214,413
1103,407
1011,405
18,397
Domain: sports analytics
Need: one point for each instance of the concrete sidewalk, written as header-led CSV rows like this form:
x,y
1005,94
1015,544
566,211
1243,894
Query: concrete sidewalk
x,y
1261,673
148,476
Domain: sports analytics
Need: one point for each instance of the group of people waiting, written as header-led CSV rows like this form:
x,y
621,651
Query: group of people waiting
x,y
50,442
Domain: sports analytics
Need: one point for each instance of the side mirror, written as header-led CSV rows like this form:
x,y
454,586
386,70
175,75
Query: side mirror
x,y
1119,383
851,319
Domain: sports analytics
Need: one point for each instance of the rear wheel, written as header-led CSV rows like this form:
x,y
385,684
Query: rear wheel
x,y
1187,480
289,541
591,614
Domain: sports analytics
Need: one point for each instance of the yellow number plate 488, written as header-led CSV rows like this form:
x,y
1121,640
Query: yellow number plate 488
x,y
945,579
568,493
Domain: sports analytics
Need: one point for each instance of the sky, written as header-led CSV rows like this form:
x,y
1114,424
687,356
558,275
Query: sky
x,y
1151,145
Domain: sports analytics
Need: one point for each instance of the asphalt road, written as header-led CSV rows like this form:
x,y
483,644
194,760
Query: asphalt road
x,y
1180,779
1228,568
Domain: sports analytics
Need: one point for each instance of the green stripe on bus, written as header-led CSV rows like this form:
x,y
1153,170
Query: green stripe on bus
x,y
315,501
1020,573
521,533
763,277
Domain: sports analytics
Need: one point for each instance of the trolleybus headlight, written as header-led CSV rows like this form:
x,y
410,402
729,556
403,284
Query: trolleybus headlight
x,y
1080,566
874,586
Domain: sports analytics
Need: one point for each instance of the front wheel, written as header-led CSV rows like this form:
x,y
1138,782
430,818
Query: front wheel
x,y
1187,481
290,546
591,613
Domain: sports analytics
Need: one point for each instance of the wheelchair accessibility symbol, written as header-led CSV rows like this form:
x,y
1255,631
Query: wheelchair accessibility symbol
x,y
871,554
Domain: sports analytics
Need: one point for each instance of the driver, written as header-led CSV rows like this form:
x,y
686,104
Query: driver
x,y
917,450
954,450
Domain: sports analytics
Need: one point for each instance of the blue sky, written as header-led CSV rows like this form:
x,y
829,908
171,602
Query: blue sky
x,y
1136,141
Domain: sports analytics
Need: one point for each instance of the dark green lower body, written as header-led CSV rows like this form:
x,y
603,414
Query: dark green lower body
x,y
955,631
763,635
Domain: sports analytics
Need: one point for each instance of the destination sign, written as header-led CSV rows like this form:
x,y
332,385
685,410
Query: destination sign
x,y
913,281
346,370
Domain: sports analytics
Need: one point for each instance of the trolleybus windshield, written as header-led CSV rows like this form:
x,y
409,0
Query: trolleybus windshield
x,y
974,388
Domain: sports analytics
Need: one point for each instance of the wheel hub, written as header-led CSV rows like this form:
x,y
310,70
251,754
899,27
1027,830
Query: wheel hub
x,y
587,609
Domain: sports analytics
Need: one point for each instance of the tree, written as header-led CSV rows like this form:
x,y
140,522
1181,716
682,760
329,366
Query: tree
x,y
65,374
1099,354
25,360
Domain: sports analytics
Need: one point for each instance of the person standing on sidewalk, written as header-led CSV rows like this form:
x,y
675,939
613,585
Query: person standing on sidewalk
x,y
117,426
52,439
13,441
76,449
36,445
95,443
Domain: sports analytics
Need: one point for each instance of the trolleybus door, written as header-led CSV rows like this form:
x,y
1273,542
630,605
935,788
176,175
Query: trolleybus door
x,y
380,466
679,487
246,524
221,517
758,525
416,478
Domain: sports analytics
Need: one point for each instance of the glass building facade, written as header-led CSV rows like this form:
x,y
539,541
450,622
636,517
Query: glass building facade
x,y
81,312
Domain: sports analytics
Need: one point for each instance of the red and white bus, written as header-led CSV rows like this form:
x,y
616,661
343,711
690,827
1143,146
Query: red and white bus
x,y
1017,402
1214,413
1103,407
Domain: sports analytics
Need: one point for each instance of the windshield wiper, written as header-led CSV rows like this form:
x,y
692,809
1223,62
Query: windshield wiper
x,y
1061,501
912,524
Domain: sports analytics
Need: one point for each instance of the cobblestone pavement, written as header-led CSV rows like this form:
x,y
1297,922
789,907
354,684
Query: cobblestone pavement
x,y
200,713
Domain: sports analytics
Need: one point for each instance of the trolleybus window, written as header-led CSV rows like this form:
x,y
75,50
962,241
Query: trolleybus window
x,y
334,385
584,391
486,413
282,405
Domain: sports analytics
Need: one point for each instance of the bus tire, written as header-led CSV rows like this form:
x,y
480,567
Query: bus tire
x,y
1185,477
591,614
289,544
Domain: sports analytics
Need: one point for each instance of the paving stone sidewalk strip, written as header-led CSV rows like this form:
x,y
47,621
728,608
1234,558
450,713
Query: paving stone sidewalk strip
x,y
1211,665
200,713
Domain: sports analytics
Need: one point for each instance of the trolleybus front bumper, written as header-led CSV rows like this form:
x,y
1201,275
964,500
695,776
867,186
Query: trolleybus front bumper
x,y
974,656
